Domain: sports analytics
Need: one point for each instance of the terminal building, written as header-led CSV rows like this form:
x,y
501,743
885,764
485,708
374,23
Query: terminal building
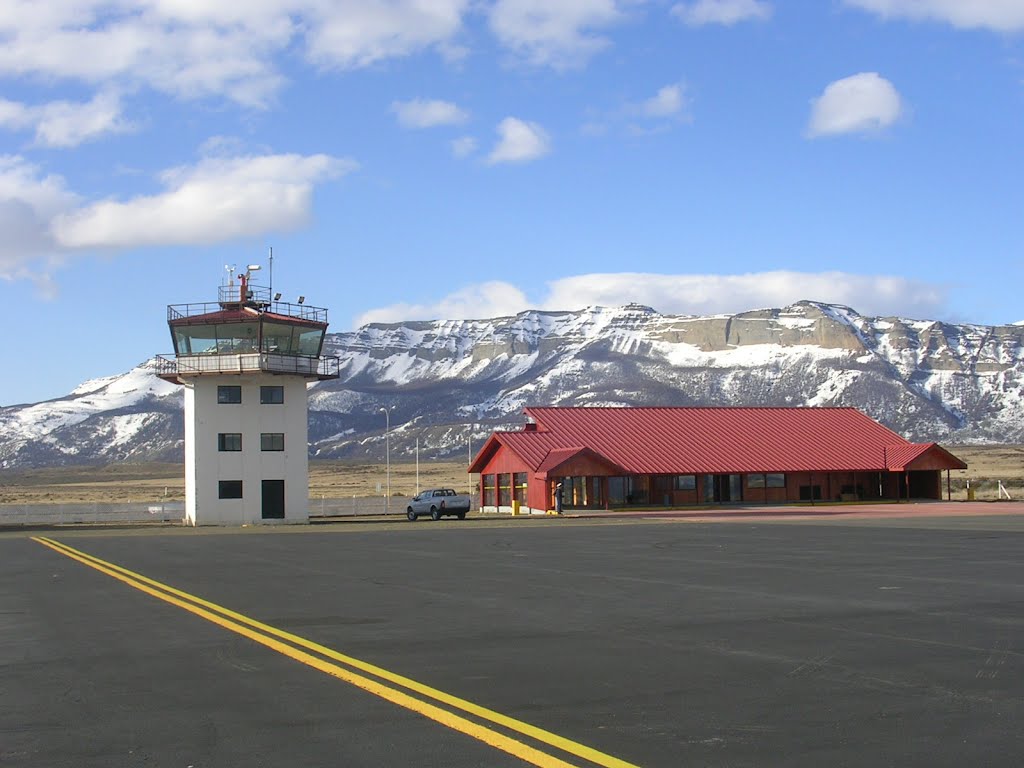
x,y
603,458
245,361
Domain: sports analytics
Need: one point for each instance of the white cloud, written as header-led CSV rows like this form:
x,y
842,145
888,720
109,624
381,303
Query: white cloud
x,y
860,103
667,102
28,202
709,294
184,49
519,142
65,123
464,146
216,200
427,113
195,49
493,299
557,34
998,15
726,12
357,33
685,295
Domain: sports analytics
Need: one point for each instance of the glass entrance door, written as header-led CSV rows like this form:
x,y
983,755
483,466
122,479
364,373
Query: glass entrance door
x,y
723,489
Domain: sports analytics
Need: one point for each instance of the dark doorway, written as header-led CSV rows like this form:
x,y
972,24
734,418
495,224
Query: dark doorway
x,y
273,499
925,485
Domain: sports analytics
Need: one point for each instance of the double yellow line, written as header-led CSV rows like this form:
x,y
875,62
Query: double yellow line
x,y
383,683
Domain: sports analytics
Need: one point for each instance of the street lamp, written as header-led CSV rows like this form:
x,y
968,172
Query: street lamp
x,y
469,454
387,457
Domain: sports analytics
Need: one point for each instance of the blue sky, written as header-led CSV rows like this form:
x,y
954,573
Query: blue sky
x,y
472,158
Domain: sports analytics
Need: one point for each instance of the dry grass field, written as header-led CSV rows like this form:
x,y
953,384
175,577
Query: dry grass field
x,y
118,483
338,479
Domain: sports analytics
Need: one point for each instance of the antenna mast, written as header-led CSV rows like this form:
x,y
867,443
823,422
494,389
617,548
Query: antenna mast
x,y
271,270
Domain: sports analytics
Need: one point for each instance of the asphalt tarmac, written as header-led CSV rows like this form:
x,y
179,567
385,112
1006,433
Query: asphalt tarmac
x,y
543,642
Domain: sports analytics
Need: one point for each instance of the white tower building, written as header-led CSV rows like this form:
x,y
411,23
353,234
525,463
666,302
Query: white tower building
x,y
245,362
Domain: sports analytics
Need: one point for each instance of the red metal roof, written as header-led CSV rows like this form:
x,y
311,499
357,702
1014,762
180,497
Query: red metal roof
x,y
242,315
709,440
560,456
902,457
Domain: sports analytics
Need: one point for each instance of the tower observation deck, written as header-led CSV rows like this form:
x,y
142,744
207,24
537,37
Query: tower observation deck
x,y
245,331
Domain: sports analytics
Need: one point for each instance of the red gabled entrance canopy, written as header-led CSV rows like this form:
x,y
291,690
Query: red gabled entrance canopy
x,y
921,456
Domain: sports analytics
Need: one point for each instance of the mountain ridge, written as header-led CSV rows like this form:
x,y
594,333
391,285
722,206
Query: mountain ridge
x,y
925,379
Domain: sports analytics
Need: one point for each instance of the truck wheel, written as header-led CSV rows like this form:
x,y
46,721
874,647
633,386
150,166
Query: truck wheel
x,y
410,514
462,515
435,513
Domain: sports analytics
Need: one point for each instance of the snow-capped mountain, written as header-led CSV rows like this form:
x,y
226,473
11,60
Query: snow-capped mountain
x,y
451,382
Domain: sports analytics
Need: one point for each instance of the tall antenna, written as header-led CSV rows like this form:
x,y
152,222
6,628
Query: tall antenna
x,y
271,270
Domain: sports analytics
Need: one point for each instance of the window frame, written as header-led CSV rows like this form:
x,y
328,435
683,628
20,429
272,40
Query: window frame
x,y
223,444
520,485
226,489
504,489
759,480
266,437
226,393
265,394
490,490
684,482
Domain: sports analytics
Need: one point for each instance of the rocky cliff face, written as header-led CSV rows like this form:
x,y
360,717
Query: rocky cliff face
x,y
927,380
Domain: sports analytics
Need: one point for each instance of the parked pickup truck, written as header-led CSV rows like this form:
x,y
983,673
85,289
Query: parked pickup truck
x,y
438,502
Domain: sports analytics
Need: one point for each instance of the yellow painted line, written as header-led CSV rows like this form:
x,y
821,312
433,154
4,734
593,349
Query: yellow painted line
x,y
264,634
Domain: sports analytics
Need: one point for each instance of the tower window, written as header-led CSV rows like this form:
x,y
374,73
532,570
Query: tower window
x,y
229,489
229,441
272,441
229,393
273,395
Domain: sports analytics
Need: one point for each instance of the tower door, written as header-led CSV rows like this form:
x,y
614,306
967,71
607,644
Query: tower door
x,y
273,499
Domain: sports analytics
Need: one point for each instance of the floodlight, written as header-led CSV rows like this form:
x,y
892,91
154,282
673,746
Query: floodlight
x,y
253,268
277,297
301,299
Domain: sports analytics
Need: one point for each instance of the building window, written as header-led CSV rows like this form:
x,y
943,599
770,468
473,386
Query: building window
x,y
685,483
519,487
620,490
272,441
488,500
229,441
273,395
229,393
229,489
505,490
769,480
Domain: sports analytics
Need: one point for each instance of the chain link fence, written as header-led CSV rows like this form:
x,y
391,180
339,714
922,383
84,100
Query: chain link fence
x,y
173,512
92,514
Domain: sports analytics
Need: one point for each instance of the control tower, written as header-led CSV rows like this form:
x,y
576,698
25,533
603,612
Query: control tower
x,y
244,362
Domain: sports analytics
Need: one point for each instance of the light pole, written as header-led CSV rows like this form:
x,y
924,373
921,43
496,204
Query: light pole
x,y
469,455
387,457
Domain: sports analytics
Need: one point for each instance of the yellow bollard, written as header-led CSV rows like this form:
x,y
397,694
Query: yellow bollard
x,y
515,507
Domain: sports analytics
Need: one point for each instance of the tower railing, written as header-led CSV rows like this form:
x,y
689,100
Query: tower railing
x,y
284,308
324,367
